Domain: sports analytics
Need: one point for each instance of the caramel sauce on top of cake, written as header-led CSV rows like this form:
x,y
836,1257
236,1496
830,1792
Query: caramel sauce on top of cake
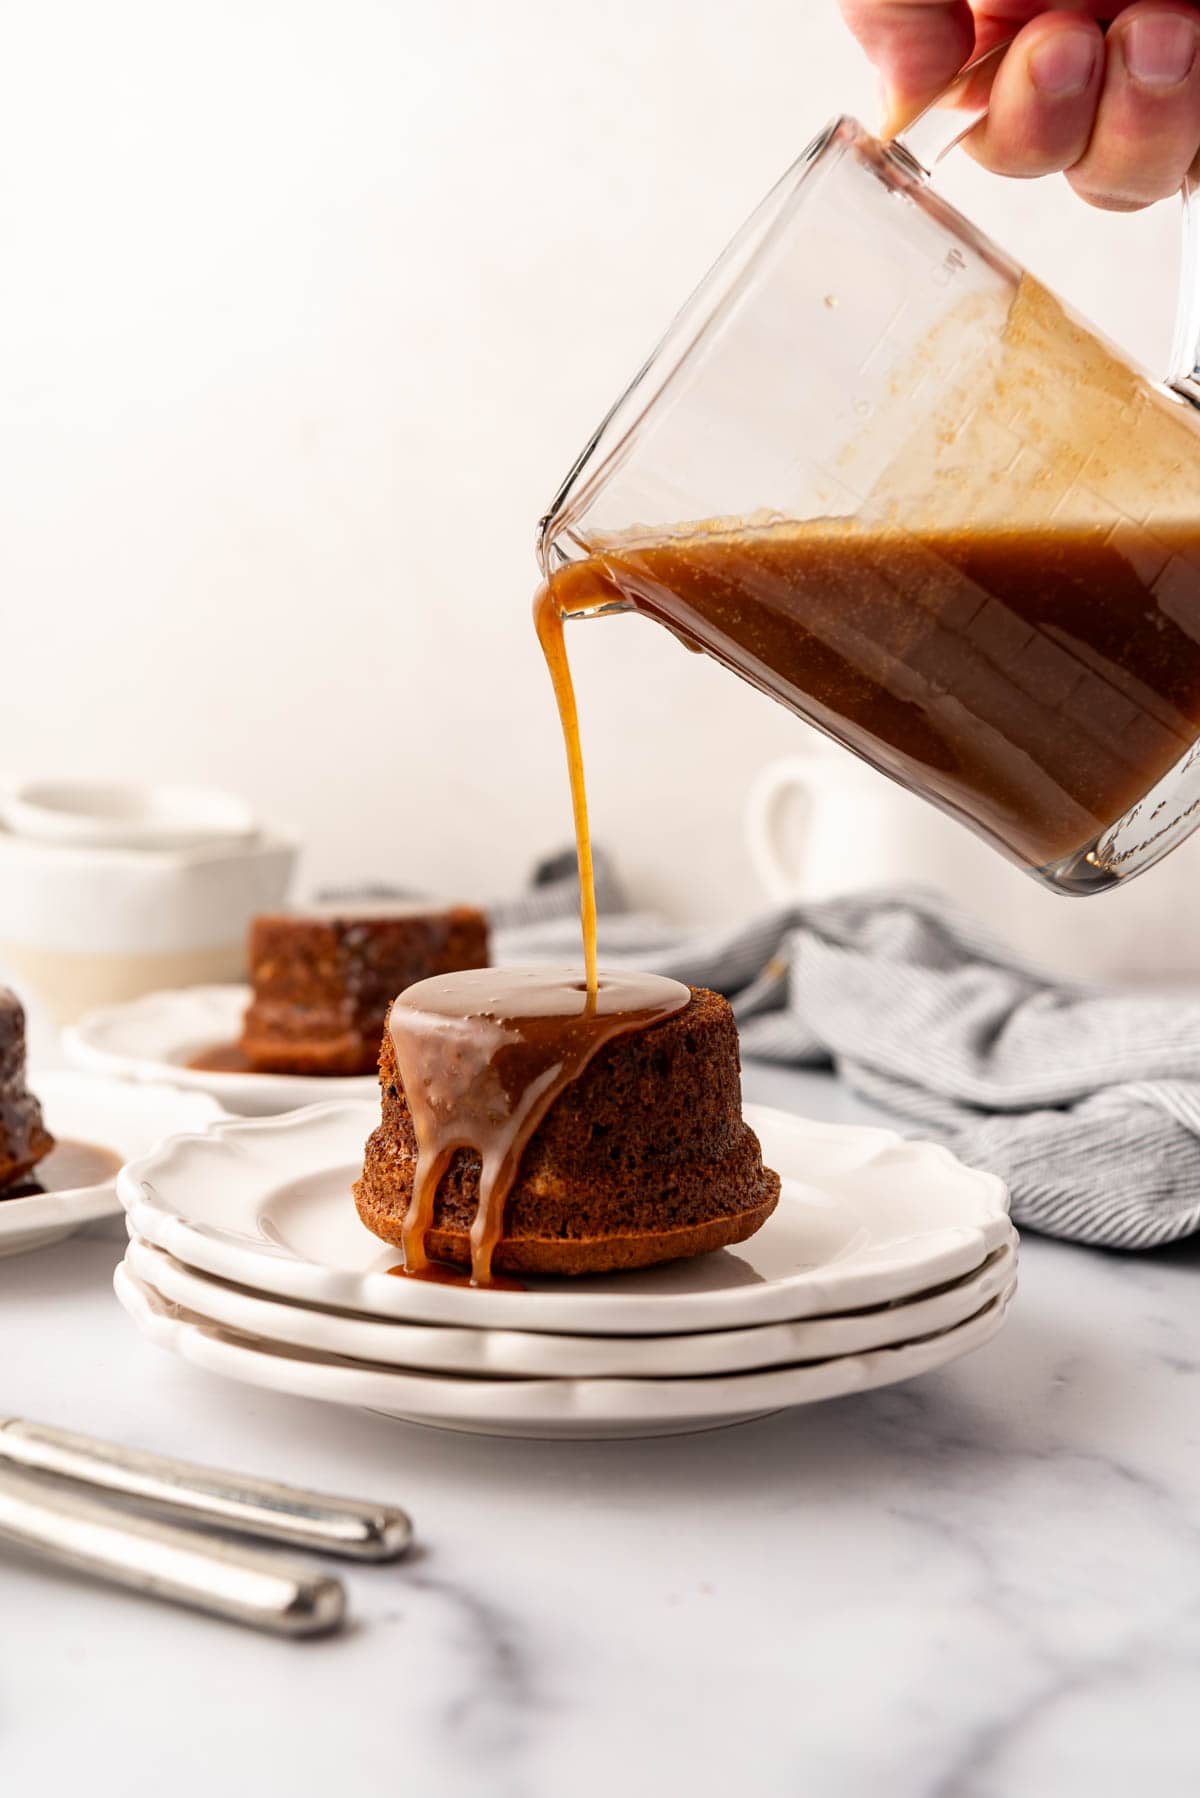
x,y
483,1055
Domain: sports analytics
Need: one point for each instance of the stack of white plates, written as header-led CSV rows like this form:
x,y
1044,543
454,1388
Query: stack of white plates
x,y
885,1259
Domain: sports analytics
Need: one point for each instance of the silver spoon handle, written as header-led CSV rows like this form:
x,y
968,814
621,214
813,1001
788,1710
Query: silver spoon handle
x,y
163,1561
352,1527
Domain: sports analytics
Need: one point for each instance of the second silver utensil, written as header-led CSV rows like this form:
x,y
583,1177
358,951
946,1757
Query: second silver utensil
x,y
356,1528
239,1584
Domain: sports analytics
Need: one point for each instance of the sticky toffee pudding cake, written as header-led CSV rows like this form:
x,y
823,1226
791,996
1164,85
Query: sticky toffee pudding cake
x,y
530,1128
24,1139
323,984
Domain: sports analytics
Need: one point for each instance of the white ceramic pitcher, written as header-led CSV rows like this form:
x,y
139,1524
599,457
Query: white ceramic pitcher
x,y
823,823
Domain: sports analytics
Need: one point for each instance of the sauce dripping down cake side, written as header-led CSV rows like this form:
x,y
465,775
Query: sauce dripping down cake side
x,y
531,1128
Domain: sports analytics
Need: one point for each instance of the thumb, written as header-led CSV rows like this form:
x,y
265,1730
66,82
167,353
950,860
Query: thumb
x,y
918,46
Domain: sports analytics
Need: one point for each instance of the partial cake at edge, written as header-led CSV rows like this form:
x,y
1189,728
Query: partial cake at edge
x,y
24,1139
323,985
644,1158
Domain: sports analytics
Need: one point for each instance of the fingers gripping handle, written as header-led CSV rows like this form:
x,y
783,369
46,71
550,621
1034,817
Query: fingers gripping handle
x,y
954,114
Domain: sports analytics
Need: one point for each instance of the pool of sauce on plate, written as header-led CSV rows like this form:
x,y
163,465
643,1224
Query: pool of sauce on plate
x,y
482,1057
222,1058
444,1273
68,1166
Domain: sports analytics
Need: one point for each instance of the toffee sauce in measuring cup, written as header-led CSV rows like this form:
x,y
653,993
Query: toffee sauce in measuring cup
x,y
1036,681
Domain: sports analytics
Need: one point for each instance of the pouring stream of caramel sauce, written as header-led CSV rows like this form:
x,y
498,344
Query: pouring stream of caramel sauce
x,y
548,621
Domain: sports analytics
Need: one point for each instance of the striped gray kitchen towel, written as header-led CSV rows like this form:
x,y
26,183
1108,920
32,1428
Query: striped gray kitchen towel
x,y
1086,1102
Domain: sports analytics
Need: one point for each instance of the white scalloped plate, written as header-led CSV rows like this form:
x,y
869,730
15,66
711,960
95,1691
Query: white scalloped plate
x,y
529,1354
154,1038
126,1119
545,1408
865,1218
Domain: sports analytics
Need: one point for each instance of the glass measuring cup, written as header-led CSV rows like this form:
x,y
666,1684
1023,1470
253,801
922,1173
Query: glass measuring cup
x,y
877,470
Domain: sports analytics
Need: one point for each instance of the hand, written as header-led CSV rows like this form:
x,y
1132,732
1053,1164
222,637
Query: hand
x,y
1120,113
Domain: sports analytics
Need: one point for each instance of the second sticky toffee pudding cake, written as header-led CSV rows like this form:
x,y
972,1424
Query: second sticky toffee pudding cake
x,y
530,1128
323,984
24,1138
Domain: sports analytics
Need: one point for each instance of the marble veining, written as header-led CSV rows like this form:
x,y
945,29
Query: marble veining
x,y
491,1711
980,1585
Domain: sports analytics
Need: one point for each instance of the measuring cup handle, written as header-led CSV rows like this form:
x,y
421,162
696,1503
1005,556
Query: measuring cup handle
x,y
925,137
1184,376
924,140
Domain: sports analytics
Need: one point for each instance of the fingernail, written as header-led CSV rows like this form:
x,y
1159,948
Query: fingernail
x,y
894,114
1064,63
1160,49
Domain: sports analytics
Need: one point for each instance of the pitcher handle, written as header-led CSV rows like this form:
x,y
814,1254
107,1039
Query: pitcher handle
x,y
1184,376
925,139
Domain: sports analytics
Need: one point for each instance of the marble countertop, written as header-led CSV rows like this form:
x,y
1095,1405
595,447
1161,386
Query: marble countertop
x,y
981,1584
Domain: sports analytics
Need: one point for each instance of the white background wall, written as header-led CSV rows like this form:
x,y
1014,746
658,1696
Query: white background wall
x,y
306,307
